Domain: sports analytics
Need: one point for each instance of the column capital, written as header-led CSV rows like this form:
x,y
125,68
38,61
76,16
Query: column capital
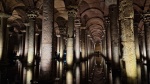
x,y
32,14
72,10
146,17
107,19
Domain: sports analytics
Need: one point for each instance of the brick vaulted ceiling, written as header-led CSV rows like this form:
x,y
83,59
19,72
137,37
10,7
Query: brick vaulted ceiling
x,y
91,12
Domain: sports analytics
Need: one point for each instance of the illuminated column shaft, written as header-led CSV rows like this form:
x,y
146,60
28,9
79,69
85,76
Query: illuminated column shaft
x,y
136,42
108,49
147,40
83,43
20,36
30,57
26,42
113,10
1,38
108,40
47,34
58,44
36,44
70,34
77,44
115,36
61,47
126,15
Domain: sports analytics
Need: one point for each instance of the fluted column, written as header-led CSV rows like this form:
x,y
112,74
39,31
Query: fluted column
x,y
126,16
46,44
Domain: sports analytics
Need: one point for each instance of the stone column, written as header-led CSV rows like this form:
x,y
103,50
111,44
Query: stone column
x,y
147,39
61,47
31,47
108,39
1,37
58,45
70,44
26,42
113,10
77,44
46,44
108,51
70,36
36,44
126,15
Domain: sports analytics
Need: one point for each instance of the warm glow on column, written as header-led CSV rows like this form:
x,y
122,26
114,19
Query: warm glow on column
x,y
77,44
30,56
69,77
77,74
83,68
26,42
58,44
61,69
29,76
61,47
1,38
24,75
46,57
31,44
69,57
139,73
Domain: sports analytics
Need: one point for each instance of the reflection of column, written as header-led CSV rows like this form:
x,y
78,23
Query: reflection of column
x,y
69,77
113,10
70,36
46,44
61,71
126,14
139,74
77,72
30,57
1,38
29,75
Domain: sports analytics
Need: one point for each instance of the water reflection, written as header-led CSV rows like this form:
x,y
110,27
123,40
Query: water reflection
x,y
77,74
82,73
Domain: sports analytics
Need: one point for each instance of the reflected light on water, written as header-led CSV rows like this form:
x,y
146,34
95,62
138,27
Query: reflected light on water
x,y
29,76
69,77
77,75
